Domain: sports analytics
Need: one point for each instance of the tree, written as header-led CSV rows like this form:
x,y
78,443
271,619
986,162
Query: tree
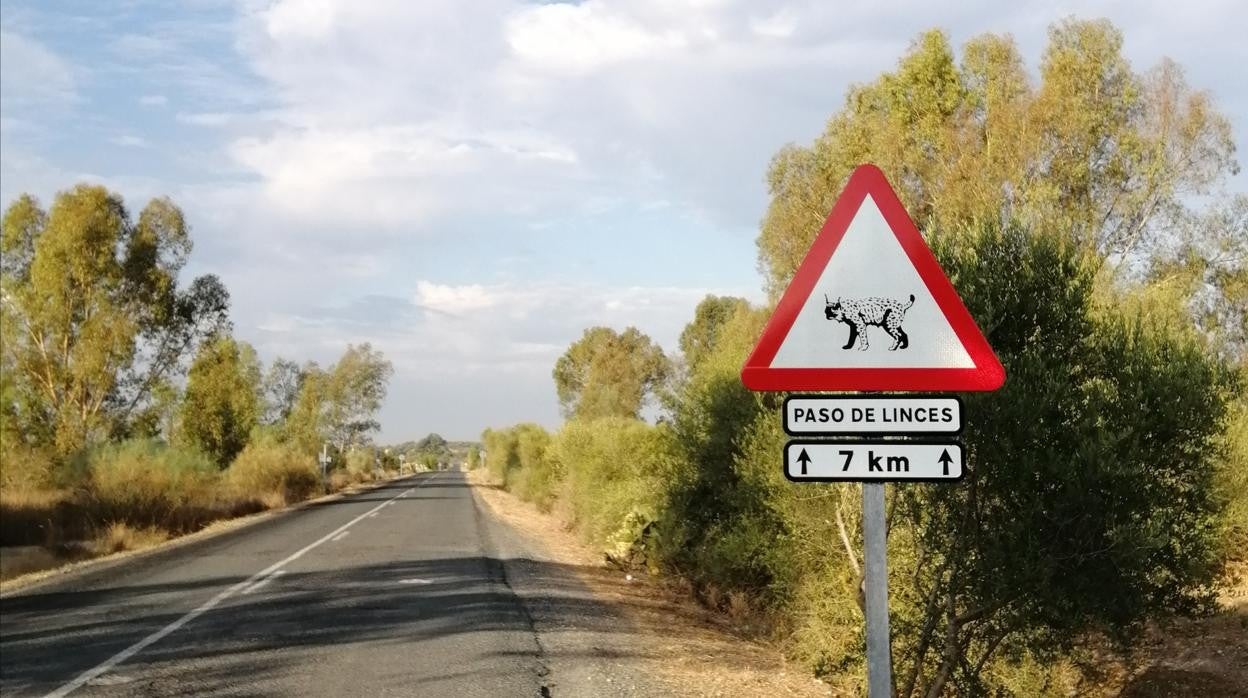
x,y
609,373
339,404
1109,167
433,444
222,403
1089,501
305,425
282,383
700,336
91,316
356,388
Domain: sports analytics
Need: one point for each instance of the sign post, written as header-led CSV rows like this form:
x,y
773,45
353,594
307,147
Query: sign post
x,y
869,309
323,459
875,581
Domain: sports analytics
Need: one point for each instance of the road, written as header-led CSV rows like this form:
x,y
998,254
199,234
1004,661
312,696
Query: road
x,y
395,591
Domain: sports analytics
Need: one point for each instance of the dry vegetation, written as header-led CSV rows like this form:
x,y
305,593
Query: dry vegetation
x,y
137,494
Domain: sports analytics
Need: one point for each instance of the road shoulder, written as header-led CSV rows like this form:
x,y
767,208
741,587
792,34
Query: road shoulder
x,y
660,641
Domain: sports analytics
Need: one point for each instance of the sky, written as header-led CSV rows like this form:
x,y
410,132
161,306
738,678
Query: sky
x,y
470,185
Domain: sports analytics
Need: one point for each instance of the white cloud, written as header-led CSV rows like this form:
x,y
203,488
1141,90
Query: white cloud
x,y
204,118
454,331
31,75
781,25
129,141
455,299
576,39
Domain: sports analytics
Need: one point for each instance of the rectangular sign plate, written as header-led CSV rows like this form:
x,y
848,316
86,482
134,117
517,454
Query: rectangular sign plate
x,y
872,461
826,415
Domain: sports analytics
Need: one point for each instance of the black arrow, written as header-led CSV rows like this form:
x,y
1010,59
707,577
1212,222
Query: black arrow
x,y
945,460
803,458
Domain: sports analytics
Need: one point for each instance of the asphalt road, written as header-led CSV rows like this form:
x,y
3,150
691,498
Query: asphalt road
x,y
396,591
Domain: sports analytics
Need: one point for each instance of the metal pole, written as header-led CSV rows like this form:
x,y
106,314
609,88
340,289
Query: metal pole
x,y
879,652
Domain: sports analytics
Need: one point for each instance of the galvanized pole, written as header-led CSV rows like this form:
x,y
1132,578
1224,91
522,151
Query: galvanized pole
x,y
879,652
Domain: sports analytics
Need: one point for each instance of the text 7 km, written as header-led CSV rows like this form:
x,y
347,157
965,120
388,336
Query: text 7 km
x,y
891,464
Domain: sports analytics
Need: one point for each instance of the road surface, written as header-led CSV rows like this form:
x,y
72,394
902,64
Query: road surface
x,y
395,591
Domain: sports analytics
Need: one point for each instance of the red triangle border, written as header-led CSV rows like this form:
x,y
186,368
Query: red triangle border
x,y
758,374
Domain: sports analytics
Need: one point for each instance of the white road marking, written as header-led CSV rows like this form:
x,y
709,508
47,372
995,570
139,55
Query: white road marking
x,y
339,537
415,580
264,581
111,680
208,605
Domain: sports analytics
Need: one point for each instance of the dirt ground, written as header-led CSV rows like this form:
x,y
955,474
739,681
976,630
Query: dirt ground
x,y
706,655
1207,657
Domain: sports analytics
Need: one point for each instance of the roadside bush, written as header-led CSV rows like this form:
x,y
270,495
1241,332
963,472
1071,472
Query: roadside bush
x,y
359,465
275,473
540,472
1233,476
502,452
145,483
614,468
25,468
710,512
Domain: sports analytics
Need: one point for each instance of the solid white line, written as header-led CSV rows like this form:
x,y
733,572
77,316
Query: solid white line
x,y
264,581
339,537
208,605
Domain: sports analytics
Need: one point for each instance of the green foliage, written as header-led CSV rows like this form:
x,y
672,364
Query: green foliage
x,y
710,413
361,464
700,337
339,404
275,471
1232,477
1088,503
614,469
539,472
503,451
92,318
146,483
984,142
609,374
474,457
222,403
282,383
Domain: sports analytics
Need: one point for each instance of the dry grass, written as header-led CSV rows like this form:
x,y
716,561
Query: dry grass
x,y
274,474
119,537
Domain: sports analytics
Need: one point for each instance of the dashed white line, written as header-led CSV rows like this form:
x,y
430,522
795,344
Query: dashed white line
x,y
208,605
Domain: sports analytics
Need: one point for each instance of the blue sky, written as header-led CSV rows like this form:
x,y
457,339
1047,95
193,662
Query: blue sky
x,y
468,185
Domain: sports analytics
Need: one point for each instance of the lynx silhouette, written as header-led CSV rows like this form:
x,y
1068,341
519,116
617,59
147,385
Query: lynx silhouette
x,y
860,312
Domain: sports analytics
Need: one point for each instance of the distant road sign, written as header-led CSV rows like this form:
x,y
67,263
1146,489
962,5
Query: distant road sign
x,y
826,415
872,461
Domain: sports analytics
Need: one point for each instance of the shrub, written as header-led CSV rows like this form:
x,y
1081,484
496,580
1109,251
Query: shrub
x,y
146,483
1233,476
25,468
276,473
360,464
540,472
614,469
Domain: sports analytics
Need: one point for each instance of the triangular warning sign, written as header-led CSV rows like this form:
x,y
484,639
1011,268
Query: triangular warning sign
x,y
870,309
